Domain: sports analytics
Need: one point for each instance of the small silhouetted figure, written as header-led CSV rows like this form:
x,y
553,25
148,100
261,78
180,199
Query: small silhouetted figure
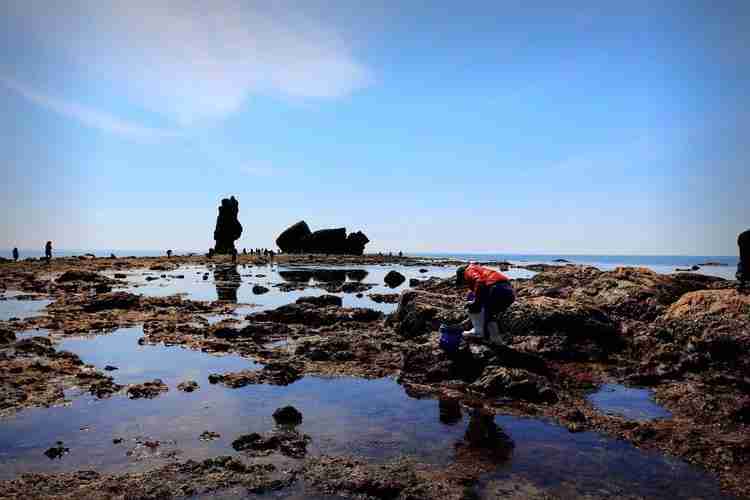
x,y
48,251
743,267
112,256
400,254
15,254
244,251
169,254
210,253
234,256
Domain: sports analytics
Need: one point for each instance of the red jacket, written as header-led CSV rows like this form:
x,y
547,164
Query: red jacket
x,y
475,276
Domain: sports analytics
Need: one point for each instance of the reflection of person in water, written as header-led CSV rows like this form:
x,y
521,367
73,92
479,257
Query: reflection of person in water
x,y
485,444
227,280
450,411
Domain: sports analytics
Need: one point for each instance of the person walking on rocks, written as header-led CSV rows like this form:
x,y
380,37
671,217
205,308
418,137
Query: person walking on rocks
x,y
492,292
48,251
743,267
15,254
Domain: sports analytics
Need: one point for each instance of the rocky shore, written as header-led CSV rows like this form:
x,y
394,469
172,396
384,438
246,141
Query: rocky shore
x,y
572,329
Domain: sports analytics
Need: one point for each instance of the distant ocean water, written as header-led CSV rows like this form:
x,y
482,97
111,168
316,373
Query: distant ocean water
x,y
659,263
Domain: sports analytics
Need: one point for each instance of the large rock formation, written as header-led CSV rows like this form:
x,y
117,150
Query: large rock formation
x,y
228,227
299,239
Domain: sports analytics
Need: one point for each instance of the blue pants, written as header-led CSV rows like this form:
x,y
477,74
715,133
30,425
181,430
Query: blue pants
x,y
499,298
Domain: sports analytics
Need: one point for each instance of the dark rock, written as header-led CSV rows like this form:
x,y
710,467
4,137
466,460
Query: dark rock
x,y
148,390
331,241
321,301
110,368
152,278
102,288
115,300
387,298
292,239
188,386
276,373
413,282
259,290
299,239
394,279
513,383
289,443
6,336
355,243
120,276
209,436
228,227
57,451
77,275
288,415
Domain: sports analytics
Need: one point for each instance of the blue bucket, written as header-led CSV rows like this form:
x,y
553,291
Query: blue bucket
x,y
450,338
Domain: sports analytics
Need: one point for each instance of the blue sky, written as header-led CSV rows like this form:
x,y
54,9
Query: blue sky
x,y
432,126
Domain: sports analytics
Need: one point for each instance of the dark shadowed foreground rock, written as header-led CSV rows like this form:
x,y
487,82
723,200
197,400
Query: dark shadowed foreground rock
x,y
394,279
288,415
147,390
188,479
278,373
299,239
399,479
288,442
228,227
321,301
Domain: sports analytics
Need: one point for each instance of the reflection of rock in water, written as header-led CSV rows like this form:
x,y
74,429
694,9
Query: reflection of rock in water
x,y
450,411
227,280
356,274
322,275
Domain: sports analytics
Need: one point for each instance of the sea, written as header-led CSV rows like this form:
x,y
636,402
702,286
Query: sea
x,y
723,266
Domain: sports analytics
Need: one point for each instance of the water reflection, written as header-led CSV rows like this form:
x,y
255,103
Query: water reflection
x,y
322,275
228,281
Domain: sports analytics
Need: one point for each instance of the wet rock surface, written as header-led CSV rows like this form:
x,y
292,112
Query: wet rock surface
x,y
186,479
148,390
572,329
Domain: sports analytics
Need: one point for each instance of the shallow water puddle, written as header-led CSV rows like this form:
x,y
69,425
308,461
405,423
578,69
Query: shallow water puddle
x,y
11,307
236,284
629,402
371,418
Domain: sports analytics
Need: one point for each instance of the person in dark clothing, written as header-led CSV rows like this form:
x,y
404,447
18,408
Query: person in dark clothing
x,y
492,291
48,251
15,254
743,267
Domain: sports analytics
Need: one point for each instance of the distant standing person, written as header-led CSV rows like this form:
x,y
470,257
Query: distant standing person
x,y
169,254
234,256
48,251
15,254
743,268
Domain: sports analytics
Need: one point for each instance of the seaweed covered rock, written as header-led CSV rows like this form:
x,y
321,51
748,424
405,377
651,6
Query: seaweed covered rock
x,y
514,383
560,329
228,227
626,292
420,312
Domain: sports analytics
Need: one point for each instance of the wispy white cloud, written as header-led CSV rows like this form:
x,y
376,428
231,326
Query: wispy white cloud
x,y
192,60
87,116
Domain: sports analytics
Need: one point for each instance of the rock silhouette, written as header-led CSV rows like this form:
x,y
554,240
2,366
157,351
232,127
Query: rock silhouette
x,y
228,227
299,239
